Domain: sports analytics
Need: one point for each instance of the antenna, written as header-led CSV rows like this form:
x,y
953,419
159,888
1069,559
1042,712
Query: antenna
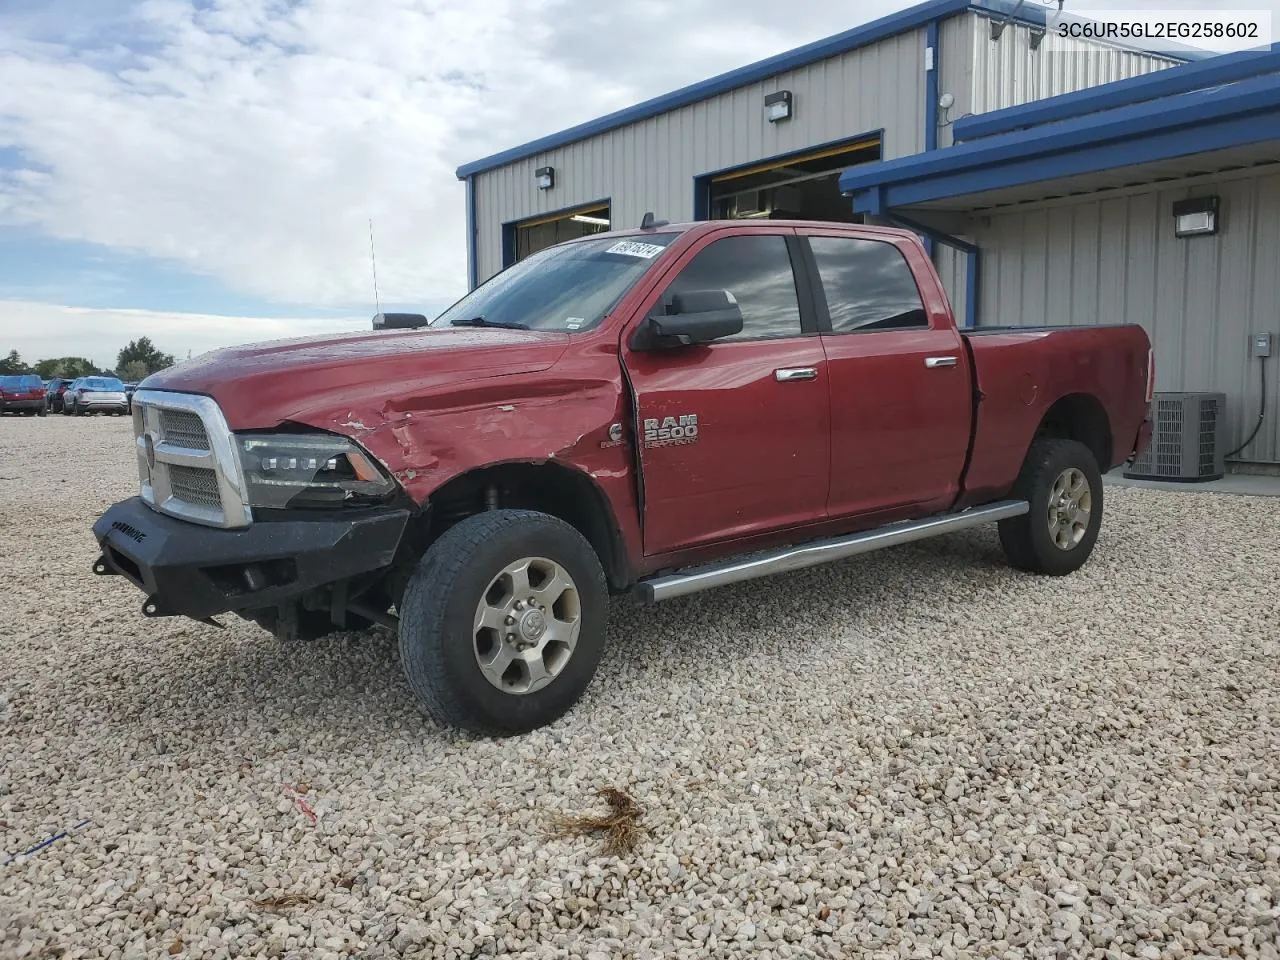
x,y
373,258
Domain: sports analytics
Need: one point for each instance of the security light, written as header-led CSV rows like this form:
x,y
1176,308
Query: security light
x,y
777,106
1197,217
545,177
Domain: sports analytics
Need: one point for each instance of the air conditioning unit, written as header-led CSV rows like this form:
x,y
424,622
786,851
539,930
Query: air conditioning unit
x,y
1185,439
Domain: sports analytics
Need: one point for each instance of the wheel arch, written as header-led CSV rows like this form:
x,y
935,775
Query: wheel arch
x,y
562,491
1083,418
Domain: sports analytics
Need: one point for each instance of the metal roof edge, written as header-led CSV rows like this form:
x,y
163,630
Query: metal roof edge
x,y
1227,68
913,18
1124,123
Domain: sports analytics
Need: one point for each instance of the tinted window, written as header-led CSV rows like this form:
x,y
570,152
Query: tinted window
x,y
24,382
868,285
103,383
757,271
566,288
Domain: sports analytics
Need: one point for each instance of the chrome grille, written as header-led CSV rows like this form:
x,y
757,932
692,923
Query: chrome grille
x,y
195,485
187,461
183,429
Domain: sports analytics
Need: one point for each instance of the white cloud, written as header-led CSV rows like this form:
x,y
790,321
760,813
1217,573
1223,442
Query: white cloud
x,y
251,139
44,330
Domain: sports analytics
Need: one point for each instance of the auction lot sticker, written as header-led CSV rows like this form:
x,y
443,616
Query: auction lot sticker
x,y
634,248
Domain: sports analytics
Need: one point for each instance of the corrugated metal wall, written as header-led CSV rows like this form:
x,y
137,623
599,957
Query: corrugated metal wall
x,y
952,266
1007,72
651,165
1117,259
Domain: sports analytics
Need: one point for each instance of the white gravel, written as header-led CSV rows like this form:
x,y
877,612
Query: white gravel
x,y
919,753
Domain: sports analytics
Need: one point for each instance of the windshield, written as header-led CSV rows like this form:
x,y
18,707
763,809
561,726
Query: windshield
x,y
103,383
27,382
568,288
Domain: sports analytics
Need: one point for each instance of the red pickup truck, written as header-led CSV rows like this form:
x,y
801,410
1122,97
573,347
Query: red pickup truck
x,y
661,411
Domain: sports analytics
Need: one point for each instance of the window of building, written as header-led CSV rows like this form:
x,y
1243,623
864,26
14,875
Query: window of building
x,y
868,285
757,271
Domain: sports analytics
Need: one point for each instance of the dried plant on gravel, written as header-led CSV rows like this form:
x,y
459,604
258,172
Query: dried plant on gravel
x,y
282,903
621,826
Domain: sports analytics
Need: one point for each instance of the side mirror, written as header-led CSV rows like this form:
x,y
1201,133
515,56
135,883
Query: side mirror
x,y
399,321
691,318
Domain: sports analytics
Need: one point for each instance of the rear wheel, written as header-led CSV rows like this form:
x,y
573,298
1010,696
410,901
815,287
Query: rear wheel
x,y
1063,485
42,412
502,625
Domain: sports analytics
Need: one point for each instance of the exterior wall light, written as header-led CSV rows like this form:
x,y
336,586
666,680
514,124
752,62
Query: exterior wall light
x,y
777,106
1196,218
545,177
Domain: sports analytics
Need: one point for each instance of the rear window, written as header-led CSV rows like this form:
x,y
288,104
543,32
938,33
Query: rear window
x,y
103,383
25,382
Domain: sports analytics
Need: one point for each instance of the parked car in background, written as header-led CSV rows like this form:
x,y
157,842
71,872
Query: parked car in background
x,y
128,393
22,394
95,395
53,393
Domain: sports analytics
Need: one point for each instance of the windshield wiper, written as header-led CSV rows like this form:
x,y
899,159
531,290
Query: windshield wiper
x,y
482,322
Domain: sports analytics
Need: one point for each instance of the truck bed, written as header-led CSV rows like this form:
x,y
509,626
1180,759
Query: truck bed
x,y
1023,373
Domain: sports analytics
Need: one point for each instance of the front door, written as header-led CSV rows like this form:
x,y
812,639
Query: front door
x,y
734,435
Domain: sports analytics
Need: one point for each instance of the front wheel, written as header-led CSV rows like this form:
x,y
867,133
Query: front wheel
x,y
503,623
1062,483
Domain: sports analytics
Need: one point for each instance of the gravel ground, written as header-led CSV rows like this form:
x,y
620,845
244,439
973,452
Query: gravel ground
x,y
917,753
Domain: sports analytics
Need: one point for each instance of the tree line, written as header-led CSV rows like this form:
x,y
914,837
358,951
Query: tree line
x,y
135,362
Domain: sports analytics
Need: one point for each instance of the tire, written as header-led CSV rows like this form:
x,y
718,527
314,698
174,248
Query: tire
x,y
1058,534
467,573
42,412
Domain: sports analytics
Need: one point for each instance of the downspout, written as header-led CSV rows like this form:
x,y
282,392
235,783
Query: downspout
x,y
932,58
973,256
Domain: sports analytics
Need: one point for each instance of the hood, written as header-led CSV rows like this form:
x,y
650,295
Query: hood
x,y
261,385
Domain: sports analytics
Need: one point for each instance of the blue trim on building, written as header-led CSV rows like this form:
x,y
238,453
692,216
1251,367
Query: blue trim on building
x,y
1242,113
904,21
931,87
702,197
473,266
508,244
1228,68
973,274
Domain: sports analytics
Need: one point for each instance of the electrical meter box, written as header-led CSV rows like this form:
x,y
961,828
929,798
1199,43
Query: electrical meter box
x,y
1261,344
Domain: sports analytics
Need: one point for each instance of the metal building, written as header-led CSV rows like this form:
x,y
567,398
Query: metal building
x,y
772,138
1154,200
1057,181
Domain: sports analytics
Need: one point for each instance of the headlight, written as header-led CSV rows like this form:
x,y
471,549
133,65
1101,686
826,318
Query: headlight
x,y
308,470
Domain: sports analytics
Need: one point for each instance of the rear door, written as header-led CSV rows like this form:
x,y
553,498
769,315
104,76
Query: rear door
x,y
734,436
901,399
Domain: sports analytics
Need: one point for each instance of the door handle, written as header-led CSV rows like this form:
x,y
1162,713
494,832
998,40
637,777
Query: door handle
x,y
934,362
787,374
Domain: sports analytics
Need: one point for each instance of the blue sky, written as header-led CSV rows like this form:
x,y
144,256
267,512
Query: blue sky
x,y
171,159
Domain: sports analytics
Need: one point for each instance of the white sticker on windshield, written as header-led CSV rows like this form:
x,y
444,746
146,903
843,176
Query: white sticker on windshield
x,y
574,323
634,248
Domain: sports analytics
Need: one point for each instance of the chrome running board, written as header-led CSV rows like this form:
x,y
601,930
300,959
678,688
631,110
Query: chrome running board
x,y
694,579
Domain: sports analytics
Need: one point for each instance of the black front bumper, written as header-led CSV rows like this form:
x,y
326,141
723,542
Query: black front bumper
x,y
190,570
